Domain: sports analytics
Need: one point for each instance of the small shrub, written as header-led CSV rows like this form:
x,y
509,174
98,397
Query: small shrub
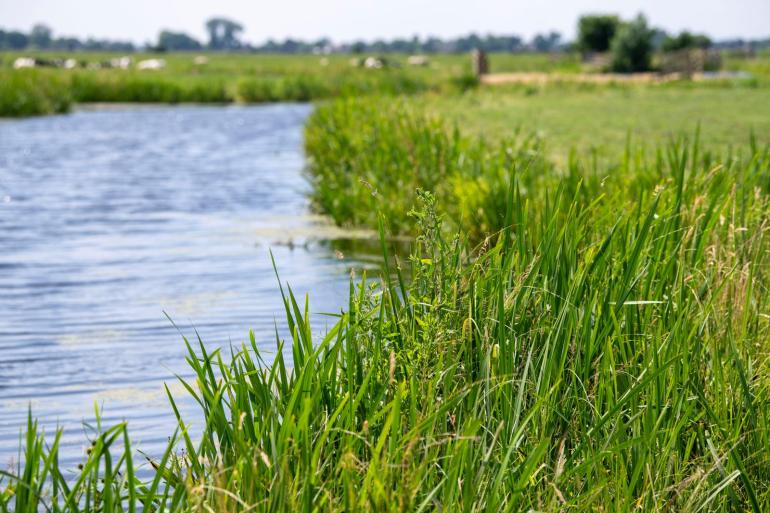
x,y
632,47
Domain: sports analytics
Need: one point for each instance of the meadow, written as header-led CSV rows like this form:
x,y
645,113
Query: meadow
x,y
227,78
602,120
223,78
566,333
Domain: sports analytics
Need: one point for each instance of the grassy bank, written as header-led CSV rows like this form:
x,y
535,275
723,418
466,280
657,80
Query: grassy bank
x,y
370,156
31,92
604,345
28,93
218,78
248,78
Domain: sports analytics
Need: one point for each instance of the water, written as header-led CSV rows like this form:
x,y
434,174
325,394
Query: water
x,y
108,219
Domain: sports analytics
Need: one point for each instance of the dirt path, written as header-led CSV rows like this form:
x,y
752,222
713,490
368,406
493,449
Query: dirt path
x,y
587,78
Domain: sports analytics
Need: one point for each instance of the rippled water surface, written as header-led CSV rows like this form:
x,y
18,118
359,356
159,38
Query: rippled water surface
x,y
108,219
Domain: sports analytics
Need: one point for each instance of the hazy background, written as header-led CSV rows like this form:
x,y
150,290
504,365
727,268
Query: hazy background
x,y
344,20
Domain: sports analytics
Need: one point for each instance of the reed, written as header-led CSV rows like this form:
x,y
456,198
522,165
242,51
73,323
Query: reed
x,y
25,93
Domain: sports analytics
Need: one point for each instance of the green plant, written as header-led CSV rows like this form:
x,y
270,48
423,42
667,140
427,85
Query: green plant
x,y
595,33
29,93
632,47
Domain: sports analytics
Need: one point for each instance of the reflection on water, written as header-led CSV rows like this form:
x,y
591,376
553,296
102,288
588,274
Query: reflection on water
x,y
110,218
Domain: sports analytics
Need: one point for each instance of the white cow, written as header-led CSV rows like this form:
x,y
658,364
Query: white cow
x,y
151,64
417,60
122,62
24,62
374,63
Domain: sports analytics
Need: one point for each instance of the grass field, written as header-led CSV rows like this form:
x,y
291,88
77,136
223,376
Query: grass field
x,y
601,118
225,78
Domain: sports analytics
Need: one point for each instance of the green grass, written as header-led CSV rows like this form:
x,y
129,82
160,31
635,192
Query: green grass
x,y
268,78
601,118
224,78
604,347
369,158
27,93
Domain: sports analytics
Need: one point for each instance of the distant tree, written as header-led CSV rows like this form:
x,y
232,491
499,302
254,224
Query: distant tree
x,y
595,33
105,45
685,41
69,44
40,37
632,47
13,40
546,42
177,42
223,34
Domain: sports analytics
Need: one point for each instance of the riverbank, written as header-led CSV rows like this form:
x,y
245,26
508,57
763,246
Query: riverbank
x,y
589,335
214,78
219,78
36,92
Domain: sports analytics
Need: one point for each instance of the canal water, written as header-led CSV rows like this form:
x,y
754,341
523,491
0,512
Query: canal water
x,y
111,219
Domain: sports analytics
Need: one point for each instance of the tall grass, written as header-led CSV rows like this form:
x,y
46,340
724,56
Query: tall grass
x,y
38,91
369,157
28,93
133,87
306,87
605,348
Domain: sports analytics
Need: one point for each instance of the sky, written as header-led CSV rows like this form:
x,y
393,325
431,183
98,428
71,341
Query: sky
x,y
346,20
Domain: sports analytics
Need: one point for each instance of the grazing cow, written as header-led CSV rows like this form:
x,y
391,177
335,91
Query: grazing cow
x,y
151,64
374,63
121,62
24,62
418,60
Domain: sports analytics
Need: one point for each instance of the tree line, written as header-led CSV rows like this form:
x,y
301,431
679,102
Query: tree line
x,y
631,42
41,37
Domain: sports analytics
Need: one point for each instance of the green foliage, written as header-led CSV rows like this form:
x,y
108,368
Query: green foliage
x,y
29,93
595,33
132,87
177,41
632,47
305,88
221,79
369,157
685,41
464,82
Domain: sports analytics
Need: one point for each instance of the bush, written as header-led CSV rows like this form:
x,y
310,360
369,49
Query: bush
x,y
632,47
685,41
595,33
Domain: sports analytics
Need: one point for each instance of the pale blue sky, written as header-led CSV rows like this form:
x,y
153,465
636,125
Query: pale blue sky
x,y
345,20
